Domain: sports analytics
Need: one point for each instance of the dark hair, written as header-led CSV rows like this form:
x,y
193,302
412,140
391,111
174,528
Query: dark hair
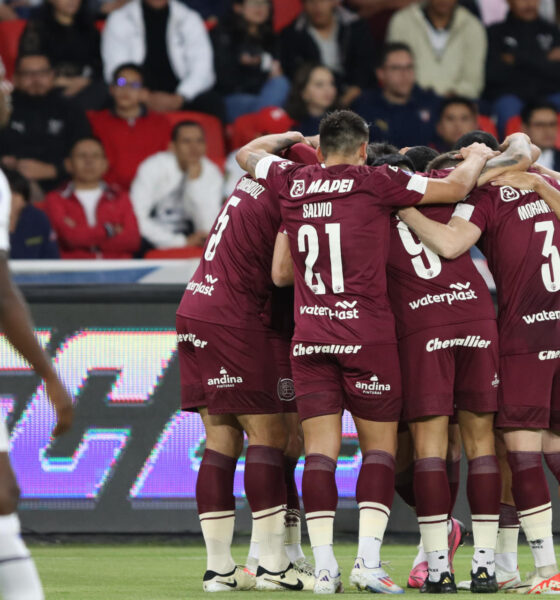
x,y
24,55
391,47
377,149
87,138
443,161
421,156
128,67
180,125
342,132
265,33
393,160
531,107
295,105
470,104
18,183
482,137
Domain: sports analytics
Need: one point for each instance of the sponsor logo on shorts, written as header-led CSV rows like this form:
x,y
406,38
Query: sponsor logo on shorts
x,y
544,315
206,289
373,386
307,349
549,354
496,380
286,389
191,338
342,311
225,380
460,293
471,341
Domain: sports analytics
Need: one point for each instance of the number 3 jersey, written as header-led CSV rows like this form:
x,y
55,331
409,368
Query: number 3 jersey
x,y
428,291
232,283
337,219
521,237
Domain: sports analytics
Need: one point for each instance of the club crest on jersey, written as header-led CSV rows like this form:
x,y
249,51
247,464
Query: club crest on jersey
x,y
373,386
298,188
509,194
286,389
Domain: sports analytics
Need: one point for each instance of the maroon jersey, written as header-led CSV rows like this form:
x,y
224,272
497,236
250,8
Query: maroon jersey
x,y
426,290
521,237
334,217
233,283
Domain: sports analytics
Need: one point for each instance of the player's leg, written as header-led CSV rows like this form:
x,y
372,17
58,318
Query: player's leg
x,y
453,462
483,492
19,579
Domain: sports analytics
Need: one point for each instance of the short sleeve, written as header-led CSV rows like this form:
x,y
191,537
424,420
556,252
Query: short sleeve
x,y
477,209
5,207
396,187
271,171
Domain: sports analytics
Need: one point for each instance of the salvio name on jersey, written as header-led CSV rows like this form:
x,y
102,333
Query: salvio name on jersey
x,y
319,209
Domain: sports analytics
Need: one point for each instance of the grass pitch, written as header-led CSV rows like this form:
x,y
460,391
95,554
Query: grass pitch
x,y
174,572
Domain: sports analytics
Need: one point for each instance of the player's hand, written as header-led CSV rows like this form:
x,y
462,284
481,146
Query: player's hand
x,y
505,144
518,179
478,149
62,403
313,141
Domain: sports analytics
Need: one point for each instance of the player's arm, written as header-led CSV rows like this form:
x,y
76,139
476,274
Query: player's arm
x,y
448,240
532,181
282,271
518,154
16,324
461,180
251,153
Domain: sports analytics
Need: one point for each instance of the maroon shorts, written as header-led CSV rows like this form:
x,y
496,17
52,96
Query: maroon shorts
x,y
226,369
363,379
285,388
449,368
529,395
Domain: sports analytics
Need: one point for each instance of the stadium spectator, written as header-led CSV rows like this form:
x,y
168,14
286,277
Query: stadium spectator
x,y
209,10
335,37
171,43
6,89
313,94
177,194
17,9
457,116
129,132
399,111
31,234
63,31
91,218
246,52
523,61
43,124
540,123
448,43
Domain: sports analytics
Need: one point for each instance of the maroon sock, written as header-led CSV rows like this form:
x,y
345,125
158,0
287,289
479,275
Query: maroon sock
x,y
508,516
404,486
553,462
376,481
453,476
431,487
265,486
528,481
290,465
484,485
214,484
319,484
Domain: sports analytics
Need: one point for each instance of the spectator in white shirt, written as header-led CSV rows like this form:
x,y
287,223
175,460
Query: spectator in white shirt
x,y
177,194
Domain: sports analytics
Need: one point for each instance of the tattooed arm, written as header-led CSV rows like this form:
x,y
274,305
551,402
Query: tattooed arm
x,y
518,154
251,153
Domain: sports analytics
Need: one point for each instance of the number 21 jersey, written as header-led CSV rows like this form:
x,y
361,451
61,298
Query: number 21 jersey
x,y
337,219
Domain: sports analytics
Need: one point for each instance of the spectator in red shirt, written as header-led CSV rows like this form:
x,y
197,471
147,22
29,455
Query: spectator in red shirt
x,y
92,219
129,132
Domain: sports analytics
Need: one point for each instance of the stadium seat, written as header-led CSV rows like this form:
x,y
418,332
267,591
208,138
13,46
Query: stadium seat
x,y
285,11
513,125
10,32
188,252
100,25
487,124
245,128
212,128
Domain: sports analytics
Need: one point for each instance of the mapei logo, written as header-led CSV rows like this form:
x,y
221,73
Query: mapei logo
x,y
373,386
509,194
225,380
298,188
460,286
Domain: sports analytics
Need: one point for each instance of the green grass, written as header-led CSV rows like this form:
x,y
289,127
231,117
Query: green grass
x,y
173,572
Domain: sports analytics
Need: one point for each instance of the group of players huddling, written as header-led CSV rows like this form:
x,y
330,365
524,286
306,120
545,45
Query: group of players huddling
x,y
384,293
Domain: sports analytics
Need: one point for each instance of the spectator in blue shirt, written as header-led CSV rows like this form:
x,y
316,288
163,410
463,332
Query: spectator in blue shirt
x,y
31,234
399,111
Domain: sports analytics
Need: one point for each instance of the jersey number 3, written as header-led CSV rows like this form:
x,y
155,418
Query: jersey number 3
x,y
308,241
550,272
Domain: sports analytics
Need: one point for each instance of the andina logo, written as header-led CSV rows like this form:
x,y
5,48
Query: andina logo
x,y
225,380
373,386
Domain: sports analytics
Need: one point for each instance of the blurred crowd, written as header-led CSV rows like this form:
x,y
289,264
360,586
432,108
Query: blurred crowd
x,y
116,116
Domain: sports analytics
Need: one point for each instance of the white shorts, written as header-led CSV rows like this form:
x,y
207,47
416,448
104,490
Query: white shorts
x,y
4,437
